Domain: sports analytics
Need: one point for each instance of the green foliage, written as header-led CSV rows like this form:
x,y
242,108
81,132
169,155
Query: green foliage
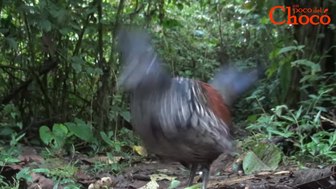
x,y
10,153
300,128
81,129
62,175
61,172
174,184
8,156
64,171
123,139
24,174
63,135
321,146
262,157
10,121
5,185
55,138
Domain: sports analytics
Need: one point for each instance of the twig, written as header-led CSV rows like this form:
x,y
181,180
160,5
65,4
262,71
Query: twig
x,y
328,120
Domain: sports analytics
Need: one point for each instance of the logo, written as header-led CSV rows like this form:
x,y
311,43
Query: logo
x,y
298,15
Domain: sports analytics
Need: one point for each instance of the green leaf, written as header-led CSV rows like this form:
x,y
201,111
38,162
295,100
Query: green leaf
x,y
264,157
290,48
252,163
41,170
106,138
270,154
126,115
314,67
45,135
195,186
16,138
24,174
174,184
298,113
286,134
252,118
81,129
60,130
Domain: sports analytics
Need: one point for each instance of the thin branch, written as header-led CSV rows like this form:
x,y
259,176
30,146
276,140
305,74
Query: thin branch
x,y
328,120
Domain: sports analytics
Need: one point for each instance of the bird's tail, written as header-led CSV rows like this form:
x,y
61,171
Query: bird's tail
x,y
232,83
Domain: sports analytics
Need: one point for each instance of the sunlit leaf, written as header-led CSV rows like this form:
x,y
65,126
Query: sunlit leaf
x,y
140,150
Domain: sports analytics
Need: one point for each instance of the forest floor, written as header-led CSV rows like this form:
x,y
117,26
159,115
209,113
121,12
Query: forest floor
x,y
151,174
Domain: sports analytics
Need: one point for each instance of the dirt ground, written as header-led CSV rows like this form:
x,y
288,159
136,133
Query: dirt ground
x,y
222,176
150,174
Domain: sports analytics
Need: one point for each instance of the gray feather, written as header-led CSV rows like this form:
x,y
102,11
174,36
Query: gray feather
x,y
232,83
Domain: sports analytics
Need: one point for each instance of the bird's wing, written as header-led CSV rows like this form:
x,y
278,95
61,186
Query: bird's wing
x,y
194,119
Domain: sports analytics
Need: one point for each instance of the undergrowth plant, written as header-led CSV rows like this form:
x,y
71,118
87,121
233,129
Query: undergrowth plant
x,y
63,136
62,176
302,131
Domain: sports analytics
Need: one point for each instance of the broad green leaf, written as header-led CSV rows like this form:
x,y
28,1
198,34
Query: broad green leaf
x,y
81,130
264,157
45,135
252,163
60,130
269,153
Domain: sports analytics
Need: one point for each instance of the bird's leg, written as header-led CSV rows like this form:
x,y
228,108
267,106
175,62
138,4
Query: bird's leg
x,y
205,175
193,170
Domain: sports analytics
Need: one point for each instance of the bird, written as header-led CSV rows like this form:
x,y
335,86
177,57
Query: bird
x,y
179,119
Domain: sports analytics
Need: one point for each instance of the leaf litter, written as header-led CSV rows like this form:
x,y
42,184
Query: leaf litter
x,y
154,174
